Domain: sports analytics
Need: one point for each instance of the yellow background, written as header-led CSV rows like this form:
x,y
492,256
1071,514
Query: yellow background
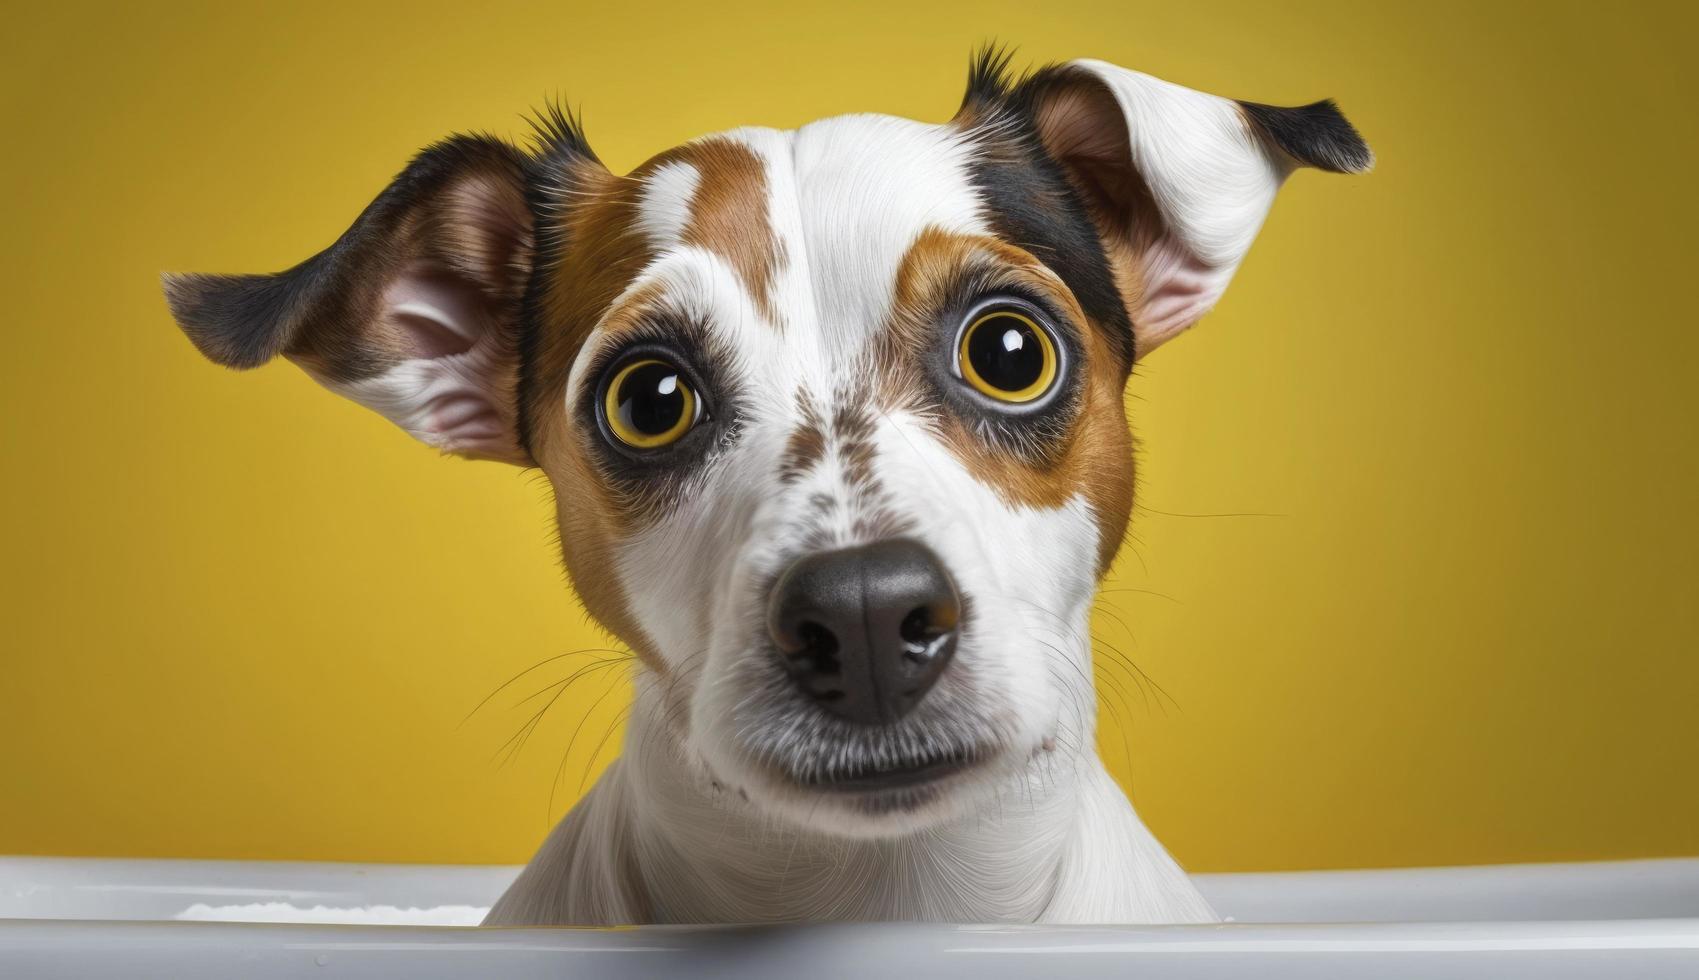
x,y
1415,556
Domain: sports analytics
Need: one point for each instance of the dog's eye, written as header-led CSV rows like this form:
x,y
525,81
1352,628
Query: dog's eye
x,y
1005,354
649,404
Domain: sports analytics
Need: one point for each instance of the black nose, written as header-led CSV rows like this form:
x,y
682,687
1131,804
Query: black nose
x,y
866,631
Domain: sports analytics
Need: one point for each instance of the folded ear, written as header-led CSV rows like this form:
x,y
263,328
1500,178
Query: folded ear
x,y
1177,181
413,312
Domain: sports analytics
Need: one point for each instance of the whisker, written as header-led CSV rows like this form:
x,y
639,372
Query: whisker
x,y
509,682
590,766
560,687
1172,513
1150,592
593,665
561,769
1131,665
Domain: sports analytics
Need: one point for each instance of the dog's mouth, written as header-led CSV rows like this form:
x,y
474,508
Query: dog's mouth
x,y
895,774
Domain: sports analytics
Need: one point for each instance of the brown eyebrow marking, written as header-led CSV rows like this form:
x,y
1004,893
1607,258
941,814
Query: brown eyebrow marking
x,y
729,216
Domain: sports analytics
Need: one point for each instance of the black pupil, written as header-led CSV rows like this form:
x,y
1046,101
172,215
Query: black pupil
x,y
1006,352
651,399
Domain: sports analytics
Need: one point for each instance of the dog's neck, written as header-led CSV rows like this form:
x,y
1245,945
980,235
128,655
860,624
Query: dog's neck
x,y
656,841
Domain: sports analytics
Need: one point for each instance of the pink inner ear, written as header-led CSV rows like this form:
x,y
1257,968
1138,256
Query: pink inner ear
x,y
436,312
1178,291
451,386
1082,126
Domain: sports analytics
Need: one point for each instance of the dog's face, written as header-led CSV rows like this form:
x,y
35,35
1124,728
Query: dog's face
x,y
883,399
833,416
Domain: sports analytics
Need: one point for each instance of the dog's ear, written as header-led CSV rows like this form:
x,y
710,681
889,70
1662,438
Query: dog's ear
x,y
413,312
1177,181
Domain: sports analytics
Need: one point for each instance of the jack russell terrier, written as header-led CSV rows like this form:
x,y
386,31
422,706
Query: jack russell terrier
x,y
834,423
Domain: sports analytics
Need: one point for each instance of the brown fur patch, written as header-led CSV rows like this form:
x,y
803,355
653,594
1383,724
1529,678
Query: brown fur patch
x,y
806,444
852,432
1094,458
596,250
729,216
597,253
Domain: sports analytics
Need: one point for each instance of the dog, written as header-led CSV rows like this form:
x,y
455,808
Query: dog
x,y
834,422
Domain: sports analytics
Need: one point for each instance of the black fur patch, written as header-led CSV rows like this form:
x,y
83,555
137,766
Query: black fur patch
x,y
1028,197
1035,205
1316,134
240,321
323,306
557,136
987,77
559,148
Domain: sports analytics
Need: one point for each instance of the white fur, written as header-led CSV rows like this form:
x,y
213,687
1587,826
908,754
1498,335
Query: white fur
x,y
866,186
1213,182
664,209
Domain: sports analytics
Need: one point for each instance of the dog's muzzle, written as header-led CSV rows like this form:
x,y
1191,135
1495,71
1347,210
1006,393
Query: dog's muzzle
x,y
866,631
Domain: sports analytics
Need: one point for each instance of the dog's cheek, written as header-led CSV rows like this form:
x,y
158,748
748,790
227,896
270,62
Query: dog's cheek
x,y
661,568
684,572
590,543
696,577
1103,453
1042,626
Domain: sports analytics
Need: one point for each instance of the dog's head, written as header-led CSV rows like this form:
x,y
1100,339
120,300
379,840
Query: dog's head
x,y
833,417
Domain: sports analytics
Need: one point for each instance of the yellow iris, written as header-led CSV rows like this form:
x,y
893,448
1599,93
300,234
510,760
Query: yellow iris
x,y
1006,356
649,404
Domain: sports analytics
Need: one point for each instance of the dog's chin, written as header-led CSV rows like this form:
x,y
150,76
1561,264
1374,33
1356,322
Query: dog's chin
x,y
894,797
